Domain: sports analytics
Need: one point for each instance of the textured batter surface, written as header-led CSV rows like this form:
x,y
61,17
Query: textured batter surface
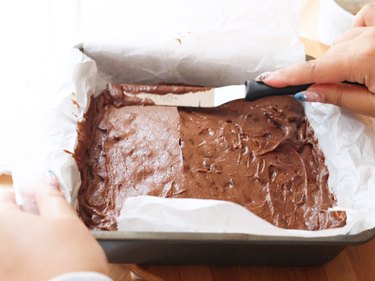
x,y
262,155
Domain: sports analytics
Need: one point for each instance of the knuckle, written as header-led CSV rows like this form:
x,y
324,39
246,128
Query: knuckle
x,y
310,67
338,97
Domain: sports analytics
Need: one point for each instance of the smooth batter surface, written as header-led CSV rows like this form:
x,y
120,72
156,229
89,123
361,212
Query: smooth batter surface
x,y
262,155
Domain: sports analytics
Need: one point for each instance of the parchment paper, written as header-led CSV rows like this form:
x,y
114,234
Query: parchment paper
x,y
228,52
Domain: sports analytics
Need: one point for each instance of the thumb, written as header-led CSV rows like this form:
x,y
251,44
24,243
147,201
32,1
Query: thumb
x,y
51,202
353,97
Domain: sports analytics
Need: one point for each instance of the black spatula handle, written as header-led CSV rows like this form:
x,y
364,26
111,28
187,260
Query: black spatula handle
x,y
256,90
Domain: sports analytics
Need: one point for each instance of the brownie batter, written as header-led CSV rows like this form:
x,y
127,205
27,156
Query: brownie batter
x,y
261,154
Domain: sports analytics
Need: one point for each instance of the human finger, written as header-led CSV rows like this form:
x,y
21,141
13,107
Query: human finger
x,y
327,70
349,35
51,202
366,16
353,97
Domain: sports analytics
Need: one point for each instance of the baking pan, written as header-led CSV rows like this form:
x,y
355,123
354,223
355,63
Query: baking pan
x,y
223,248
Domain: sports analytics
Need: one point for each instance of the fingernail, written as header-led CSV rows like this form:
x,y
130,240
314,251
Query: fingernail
x,y
262,76
300,96
307,96
51,180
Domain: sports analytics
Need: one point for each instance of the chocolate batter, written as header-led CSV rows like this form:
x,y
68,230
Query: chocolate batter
x,y
262,155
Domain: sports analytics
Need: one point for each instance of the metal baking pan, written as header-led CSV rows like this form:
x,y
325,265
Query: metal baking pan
x,y
223,248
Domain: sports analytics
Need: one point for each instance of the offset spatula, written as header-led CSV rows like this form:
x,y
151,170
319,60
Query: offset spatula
x,y
212,97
